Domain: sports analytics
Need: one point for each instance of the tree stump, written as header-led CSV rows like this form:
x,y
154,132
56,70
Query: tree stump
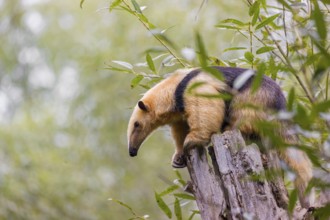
x,y
222,182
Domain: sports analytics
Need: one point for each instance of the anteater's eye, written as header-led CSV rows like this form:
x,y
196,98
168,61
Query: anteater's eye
x,y
136,124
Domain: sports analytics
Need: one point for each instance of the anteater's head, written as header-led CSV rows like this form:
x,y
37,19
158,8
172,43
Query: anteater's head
x,y
141,124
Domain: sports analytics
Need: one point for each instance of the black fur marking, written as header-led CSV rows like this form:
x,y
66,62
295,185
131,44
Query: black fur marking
x,y
230,74
179,91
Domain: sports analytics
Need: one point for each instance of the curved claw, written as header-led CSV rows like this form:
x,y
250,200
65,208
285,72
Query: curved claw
x,y
179,161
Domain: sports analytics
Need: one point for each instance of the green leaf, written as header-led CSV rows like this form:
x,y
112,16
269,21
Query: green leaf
x,y
215,73
320,107
291,98
234,48
267,21
123,64
273,68
184,196
285,4
318,73
249,56
162,205
312,155
255,17
143,18
114,4
136,80
322,49
180,179
268,129
264,49
233,21
302,117
194,212
232,24
263,4
150,63
177,173
177,209
215,61
145,86
258,77
202,51
312,59
136,7
254,11
118,69
81,3
228,27
323,213
194,86
293,197
169,190
254,8
124,205
223,96
163,37
319,21
156,49
125,8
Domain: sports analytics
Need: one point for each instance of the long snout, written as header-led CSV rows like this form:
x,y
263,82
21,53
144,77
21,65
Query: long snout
x,y
133,151
134,146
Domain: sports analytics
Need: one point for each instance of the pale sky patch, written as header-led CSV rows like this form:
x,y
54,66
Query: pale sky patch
x,y
66,21
68,85
4,102
42,77
33,2
34,21
29,55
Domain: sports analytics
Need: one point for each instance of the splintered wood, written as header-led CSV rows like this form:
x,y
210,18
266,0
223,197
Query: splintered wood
x,y
229,181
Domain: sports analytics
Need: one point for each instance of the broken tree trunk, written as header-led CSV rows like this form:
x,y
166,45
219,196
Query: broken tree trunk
x,y
223,184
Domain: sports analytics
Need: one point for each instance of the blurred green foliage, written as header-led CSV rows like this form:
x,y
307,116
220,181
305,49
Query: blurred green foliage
x,y
63,115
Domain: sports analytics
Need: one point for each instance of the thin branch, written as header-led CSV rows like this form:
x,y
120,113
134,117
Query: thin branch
x,y
327,87
200,9
275,54
285,31
251,43
325,5
153,34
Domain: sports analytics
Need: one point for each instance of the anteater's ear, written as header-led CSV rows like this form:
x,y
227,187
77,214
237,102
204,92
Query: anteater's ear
x,y
143,106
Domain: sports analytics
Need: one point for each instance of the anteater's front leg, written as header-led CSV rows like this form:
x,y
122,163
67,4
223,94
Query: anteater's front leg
x,y
204,117
179,132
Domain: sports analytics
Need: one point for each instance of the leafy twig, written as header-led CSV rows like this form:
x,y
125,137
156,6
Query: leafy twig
x,y
251,42
287,61
327,87
129,208
146,25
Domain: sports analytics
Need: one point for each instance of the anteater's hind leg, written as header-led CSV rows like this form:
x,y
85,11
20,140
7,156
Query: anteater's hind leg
x,y
244,113
246,119
298,161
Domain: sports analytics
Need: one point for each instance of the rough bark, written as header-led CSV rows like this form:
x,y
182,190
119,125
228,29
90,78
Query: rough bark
x,y
228,181
206,186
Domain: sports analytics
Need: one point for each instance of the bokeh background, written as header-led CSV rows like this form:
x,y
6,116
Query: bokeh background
x,y
63,115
